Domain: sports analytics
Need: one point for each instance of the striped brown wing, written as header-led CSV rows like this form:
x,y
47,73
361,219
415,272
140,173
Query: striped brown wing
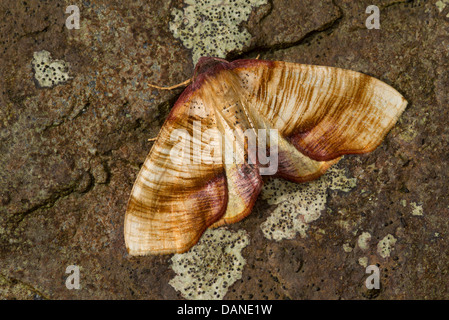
x,y
321,113
177,196
324,112
223,94
171,204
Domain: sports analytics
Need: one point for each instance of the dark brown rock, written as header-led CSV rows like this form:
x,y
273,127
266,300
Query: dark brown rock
x,y
69,154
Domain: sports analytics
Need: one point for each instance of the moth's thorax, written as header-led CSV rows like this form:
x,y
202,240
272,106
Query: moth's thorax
x,y
207,67
206,63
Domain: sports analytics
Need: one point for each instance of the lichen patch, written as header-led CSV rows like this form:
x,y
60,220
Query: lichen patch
x,y
212,28
364,240
347,247
211,266
47,72
417,209
441,5
299,204
363,261
385,246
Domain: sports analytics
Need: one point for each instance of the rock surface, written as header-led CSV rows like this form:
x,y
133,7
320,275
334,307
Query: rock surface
x,y
69,153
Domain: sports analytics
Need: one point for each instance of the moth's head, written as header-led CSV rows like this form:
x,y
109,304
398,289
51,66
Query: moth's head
x,y
207,65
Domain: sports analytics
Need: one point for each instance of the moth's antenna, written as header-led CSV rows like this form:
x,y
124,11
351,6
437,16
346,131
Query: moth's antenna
x,y
168,88
172,87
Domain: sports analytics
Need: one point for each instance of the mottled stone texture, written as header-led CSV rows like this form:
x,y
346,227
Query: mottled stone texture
x,y
69,154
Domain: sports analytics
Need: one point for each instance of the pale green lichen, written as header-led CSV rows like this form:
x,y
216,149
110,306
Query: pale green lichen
x,y
347,222
385,246
347,247
211,266
441,5
212,28
300,204
363,261
417,209
47,72
409,133
364,240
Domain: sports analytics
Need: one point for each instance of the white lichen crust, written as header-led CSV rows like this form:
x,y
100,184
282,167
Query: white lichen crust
x,y
385,246
299,204
212,28
441,5
417,209
211,266
364,240
363,261
47,72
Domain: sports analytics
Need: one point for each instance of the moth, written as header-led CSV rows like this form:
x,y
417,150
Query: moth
x,y
316,113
